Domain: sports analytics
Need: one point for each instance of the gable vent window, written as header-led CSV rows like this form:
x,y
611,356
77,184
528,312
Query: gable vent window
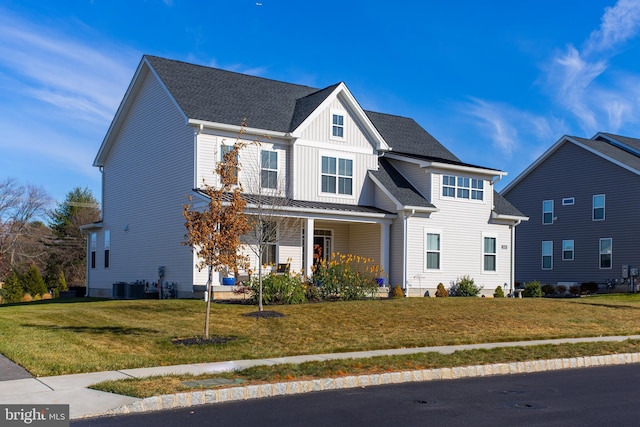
x,y
568,201
337,126
461,187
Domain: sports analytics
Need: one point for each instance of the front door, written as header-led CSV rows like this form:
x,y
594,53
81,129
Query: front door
x,y
321,245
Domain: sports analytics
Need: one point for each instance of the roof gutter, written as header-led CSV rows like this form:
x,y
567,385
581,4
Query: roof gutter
x,y
201,124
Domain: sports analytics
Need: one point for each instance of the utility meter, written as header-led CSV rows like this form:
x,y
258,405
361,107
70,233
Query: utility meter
x,y
625,271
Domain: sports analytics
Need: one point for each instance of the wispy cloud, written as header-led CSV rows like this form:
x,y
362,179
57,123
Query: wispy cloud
x,y
579,79
506,126
64,72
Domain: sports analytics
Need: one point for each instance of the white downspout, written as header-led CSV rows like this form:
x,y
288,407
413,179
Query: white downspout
x,y
405,249
512,274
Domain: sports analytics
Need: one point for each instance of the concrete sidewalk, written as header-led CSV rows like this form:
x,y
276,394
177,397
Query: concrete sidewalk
x,y
84,402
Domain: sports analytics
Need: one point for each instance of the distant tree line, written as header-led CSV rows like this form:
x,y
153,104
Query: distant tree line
x,y
42,250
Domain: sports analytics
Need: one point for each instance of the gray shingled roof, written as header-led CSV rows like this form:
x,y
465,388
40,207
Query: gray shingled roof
x,y
396,184
219,96
611,151
631,142
404,135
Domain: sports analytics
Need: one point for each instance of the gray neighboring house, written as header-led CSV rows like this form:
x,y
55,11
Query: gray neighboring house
x,y
583,200
354,181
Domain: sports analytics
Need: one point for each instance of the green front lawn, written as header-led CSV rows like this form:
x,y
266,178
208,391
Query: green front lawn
x,y
59,337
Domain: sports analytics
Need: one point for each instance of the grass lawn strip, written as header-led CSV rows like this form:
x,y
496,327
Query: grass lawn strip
x,y
55,337
171,384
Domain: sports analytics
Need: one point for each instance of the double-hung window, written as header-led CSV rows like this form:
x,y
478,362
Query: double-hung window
x,y
598,207
107,248
269,241
547,255
93,244
225,150
269,169
547,212
489,253
337,175
337,125
567,250
606,253
433,251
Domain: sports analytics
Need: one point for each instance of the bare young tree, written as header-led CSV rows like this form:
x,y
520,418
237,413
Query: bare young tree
x,y
214,231
21,208
268,198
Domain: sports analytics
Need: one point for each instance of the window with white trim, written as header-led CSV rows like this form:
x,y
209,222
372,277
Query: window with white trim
x,y
547,255
568,201
269,242
462,187
337,175
547,212
568,250
93,244
606,253
433,251
337,125
598,207
269,169
490,253
107,248
224,151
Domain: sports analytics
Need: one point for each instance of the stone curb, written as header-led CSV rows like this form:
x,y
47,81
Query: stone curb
x,y
183,400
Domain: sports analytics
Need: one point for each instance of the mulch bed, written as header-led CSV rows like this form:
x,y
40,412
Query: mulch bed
x,y
264,314
202,340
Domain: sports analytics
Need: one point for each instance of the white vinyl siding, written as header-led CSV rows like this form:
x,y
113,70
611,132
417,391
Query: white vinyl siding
x,y
153,148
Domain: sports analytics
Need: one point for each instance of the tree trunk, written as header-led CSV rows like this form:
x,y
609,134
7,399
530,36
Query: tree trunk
x,y
260,308
206,317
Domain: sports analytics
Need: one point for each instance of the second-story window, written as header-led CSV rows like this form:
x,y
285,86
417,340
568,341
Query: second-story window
x,y
269,169
461,187
337,175
337,125
598,207
547,212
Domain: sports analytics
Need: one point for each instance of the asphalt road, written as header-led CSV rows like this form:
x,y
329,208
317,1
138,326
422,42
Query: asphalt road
x,y
607,396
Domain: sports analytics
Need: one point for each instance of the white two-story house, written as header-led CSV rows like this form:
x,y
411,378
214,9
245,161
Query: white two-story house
x,y
352,181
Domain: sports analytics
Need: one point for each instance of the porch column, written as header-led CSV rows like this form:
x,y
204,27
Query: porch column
x,y
384,249
308,246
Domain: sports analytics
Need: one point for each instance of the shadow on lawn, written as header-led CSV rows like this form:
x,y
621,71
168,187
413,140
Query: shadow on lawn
x,y
95,329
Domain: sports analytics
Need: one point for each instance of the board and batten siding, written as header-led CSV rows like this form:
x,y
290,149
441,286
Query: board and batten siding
x,y
315,142
147,174
572,172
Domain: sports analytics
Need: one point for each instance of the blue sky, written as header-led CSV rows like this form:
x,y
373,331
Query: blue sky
x,y
497,82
